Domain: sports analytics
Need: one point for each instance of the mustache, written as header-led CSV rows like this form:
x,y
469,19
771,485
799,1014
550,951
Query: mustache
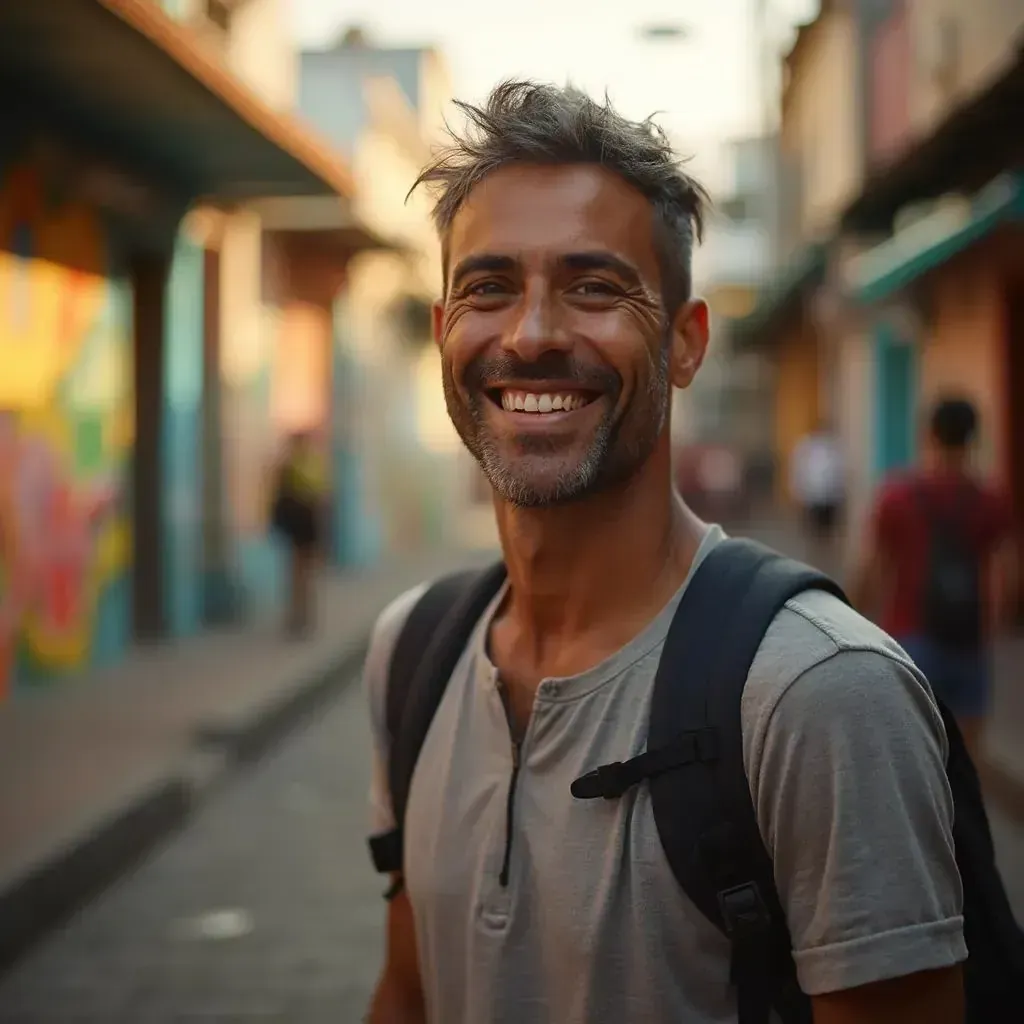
x,y
488,372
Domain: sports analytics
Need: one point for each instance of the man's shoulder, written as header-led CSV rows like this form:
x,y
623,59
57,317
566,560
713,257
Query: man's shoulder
x,y
820,638
386,631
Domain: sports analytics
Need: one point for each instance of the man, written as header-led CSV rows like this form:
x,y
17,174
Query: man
x,y
566,320
818,485
931,523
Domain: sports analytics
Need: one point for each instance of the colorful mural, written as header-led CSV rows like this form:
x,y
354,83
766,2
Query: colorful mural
x,y
65,435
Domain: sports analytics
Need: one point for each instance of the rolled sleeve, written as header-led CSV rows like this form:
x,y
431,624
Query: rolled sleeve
x,y
856,810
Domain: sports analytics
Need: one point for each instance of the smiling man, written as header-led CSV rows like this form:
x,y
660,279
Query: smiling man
x,y
566,321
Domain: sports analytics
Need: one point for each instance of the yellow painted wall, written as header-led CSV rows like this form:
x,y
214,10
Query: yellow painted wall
x,y
797,398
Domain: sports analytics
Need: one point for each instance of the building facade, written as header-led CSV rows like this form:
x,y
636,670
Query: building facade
x,y
406,481
108,315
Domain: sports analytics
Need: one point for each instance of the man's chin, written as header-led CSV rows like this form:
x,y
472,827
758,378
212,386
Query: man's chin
x,y
549,488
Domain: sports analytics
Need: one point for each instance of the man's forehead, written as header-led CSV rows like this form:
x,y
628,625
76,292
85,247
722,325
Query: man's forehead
x,y
522,209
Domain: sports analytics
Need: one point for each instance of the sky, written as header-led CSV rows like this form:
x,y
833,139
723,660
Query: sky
x,y
704,88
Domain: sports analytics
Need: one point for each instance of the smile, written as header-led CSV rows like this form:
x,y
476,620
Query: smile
x,y
541,403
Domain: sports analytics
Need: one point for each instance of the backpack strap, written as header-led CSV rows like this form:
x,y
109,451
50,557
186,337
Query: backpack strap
x,y
694,766
427,650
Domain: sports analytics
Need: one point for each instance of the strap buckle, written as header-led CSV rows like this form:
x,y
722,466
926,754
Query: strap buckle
x,y
744,912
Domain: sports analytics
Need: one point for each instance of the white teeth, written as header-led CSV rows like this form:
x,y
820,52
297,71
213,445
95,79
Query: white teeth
x,y
540,403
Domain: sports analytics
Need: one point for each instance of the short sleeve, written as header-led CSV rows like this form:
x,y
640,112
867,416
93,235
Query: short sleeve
x,y
385,635
855,807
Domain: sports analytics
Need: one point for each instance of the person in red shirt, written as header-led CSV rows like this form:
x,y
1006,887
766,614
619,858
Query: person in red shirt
x,y
942,503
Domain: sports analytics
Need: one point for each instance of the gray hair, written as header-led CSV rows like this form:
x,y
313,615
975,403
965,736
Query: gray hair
x,y
527,122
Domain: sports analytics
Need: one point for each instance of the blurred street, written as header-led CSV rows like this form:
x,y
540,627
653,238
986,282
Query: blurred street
x,y
284,848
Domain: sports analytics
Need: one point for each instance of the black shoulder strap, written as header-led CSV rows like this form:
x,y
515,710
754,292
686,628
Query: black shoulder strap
x,y
694,765
425,655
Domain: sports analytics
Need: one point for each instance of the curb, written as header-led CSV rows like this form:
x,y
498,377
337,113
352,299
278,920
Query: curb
x,y
49,892
247,738
45,896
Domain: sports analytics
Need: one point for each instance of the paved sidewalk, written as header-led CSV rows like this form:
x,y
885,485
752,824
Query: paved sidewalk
x,y
1002,766
95,770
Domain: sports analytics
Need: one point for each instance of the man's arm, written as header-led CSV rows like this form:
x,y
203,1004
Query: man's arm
x,y
399,995
848,778
929,997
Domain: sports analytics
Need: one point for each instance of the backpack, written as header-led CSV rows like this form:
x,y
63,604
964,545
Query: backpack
x,y
693,766
951,609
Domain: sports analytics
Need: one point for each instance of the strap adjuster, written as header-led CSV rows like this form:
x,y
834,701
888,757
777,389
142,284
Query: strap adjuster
x,y
744,912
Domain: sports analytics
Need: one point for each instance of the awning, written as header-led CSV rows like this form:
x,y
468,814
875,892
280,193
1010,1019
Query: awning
x,y
977,141
321,223
138,83
894,264
804,273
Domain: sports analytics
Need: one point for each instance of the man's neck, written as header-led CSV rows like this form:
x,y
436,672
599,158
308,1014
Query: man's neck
x,y
607,561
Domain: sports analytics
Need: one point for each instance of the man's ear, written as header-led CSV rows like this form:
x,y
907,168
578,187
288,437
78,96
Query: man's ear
x,y
690,328
437,317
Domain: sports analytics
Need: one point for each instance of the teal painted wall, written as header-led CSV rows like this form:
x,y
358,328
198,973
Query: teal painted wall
x,y
895,401
355,534
182,441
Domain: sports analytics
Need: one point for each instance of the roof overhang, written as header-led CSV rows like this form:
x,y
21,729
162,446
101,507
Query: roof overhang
x,y
974,143
901,260
132,79
323,223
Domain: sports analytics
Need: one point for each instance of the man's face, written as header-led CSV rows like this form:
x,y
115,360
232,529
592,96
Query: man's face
x,y
557,354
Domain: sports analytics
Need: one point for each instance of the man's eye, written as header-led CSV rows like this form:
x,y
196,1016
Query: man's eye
x,y
594,288
487,288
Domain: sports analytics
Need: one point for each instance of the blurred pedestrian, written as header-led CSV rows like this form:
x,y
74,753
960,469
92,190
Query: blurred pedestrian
x,y
818,483
938,565
536,873
299,494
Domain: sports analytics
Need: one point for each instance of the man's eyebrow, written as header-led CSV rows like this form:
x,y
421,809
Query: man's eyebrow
x,y
602,261
482,262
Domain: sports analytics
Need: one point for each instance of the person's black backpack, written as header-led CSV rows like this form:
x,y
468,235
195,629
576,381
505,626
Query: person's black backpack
x,y
693,767
952,602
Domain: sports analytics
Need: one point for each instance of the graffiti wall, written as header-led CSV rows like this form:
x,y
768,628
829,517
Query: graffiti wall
x,y
66,423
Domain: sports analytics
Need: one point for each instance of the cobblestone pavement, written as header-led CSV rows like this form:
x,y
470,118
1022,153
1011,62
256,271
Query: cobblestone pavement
x,y
279,858
265,909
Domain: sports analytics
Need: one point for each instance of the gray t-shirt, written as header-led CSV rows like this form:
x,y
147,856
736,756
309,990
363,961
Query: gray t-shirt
x,y
844,751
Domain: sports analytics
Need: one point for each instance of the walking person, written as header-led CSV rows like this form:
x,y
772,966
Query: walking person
x,y
299,493
639,771
818,483
938,566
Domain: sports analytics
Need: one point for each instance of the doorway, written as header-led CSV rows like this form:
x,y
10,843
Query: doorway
x,y
896,399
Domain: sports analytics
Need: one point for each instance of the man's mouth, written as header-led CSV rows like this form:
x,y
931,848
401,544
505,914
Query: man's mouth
x,y
540,402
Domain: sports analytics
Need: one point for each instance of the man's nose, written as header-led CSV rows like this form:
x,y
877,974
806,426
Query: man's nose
x,y
539,327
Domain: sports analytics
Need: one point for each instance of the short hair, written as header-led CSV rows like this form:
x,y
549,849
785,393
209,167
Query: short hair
x,y
954,422
524,122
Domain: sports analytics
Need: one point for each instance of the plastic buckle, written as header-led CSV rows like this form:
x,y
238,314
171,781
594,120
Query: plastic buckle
x,y
743,910
607,780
